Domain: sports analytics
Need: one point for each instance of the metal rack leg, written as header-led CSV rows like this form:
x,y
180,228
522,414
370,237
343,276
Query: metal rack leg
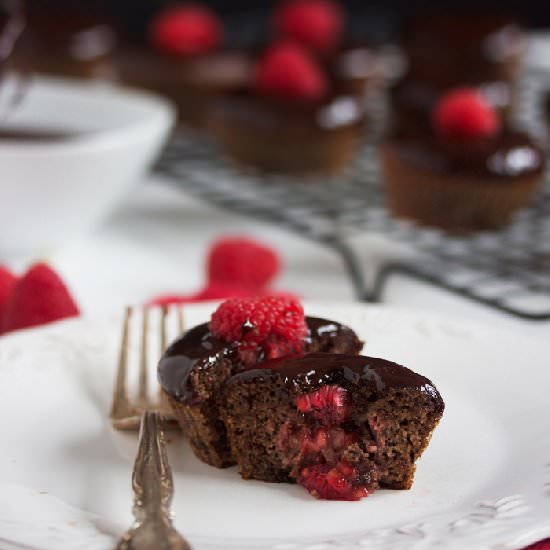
x,y
353,267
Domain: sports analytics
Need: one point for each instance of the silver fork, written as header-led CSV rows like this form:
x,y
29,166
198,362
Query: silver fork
x,y
125,413
152,480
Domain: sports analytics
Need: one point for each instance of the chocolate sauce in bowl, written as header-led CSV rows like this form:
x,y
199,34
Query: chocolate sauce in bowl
x,y
34,135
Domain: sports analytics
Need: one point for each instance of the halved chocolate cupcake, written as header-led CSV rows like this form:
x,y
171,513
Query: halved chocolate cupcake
x,y
470,172
340,425
194,370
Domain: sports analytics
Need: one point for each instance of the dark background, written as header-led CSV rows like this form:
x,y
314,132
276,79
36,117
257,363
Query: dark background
x,y
378,19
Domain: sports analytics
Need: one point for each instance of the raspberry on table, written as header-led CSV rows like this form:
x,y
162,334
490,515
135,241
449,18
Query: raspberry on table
x,y
7,282
243,263
465,114
266,327
38,297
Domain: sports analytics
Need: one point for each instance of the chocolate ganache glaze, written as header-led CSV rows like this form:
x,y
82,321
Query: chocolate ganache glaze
x,y
199,348
313,370
330,113
508,154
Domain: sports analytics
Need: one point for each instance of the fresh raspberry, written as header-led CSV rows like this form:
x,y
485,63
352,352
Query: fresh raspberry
x,y
541,545
339,482
288,71
317,24
38,297
186,30
242,262
7,282
328,403
266,327
465,114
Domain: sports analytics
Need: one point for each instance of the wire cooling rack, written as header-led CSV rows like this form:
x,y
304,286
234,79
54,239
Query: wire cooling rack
x,y
507,270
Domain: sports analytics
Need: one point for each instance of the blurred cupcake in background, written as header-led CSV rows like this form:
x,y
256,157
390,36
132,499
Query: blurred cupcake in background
x,y
444,50
70,41
320,27
186,60
471,171
292,119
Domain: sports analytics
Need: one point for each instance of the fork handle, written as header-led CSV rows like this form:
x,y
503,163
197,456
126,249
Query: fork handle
x,y
152,480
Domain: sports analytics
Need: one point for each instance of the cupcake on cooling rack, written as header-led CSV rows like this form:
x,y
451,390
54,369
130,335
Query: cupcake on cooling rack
x,y
185,60
445,50
69,42
470,172
292,119
318,25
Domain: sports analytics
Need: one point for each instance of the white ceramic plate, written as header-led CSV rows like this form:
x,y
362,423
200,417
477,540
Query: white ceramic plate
x,y
484,481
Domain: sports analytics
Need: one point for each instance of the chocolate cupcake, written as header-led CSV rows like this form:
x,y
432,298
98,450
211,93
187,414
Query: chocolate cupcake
x,y
292,120
287,398
242,332
73,43
450,48
193,371
469,173
481,50
412,101
192,84
185,61
341,426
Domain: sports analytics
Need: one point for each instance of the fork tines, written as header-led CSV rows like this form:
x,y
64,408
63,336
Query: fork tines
x,y
125,412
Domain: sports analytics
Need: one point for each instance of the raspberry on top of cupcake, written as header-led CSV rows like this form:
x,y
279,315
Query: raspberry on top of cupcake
x,y
186,30
472,171
316,24
465,114
289,71
268,327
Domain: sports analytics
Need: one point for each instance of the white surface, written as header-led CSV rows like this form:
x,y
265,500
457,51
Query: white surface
x,y
54,190
156,243
482,483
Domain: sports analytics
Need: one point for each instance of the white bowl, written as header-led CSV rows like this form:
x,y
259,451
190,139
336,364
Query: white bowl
x,y
54,190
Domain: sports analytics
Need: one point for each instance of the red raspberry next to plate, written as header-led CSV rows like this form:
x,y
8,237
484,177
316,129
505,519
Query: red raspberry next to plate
x,y
288,398
38,297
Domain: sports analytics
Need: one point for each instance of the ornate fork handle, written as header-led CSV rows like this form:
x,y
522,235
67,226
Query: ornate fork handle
x,y
153,488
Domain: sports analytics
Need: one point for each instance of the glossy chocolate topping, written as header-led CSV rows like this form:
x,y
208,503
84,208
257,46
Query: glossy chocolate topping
x,y
336,111
421,96
450,48
309,372
74,34
199,348
219,71
507,155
